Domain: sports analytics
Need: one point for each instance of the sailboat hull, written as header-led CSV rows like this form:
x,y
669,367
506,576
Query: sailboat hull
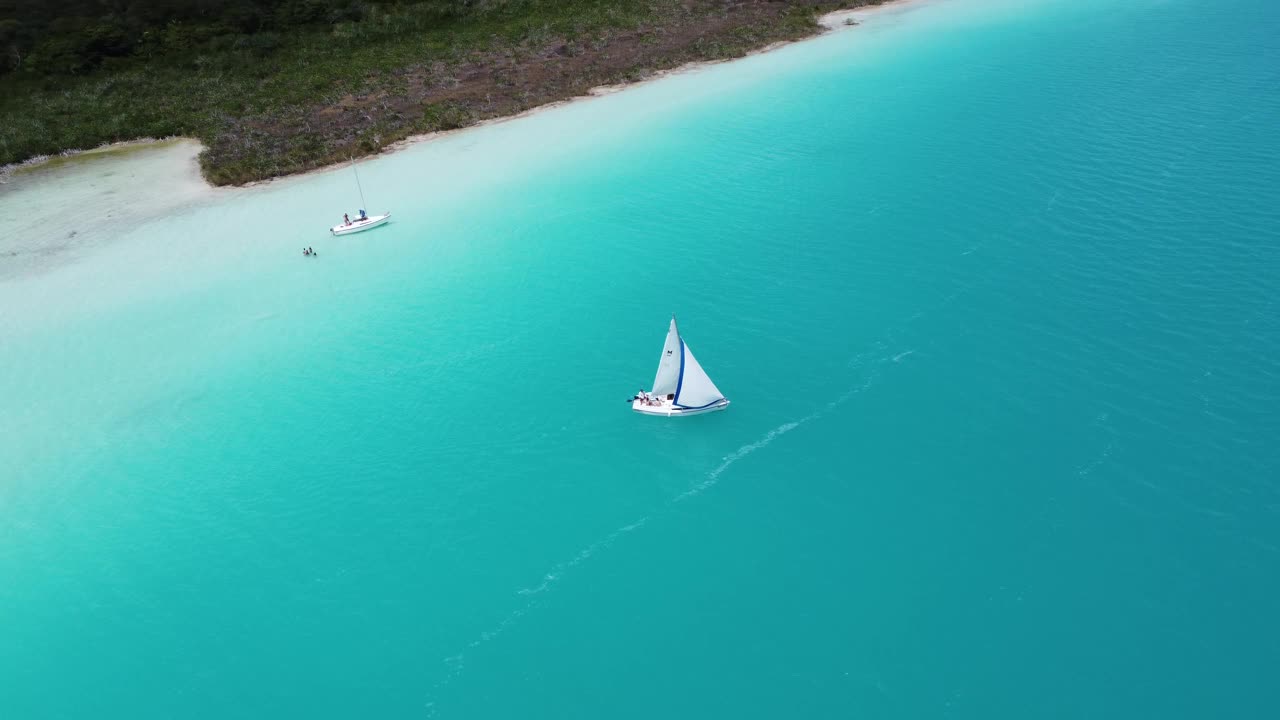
x,y
361,225
667,409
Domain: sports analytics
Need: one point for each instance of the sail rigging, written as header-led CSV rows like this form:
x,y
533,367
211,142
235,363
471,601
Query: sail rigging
x,y
680,386
363,204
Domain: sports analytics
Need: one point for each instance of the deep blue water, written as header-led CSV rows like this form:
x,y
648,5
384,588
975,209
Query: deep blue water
x,y
991,285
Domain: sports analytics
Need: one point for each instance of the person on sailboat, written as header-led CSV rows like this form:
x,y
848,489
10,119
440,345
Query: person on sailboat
x,y
363,216
346,219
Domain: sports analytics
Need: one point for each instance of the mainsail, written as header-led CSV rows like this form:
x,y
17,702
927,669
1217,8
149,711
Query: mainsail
x,y
668,377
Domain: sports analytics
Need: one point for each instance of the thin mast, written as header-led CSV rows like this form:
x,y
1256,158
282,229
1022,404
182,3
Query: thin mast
x,y
363,204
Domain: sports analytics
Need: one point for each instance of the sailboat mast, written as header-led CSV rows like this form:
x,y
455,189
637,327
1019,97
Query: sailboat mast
x,y
363,204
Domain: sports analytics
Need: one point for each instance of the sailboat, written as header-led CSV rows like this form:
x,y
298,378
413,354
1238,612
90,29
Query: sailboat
x,y
364,221
681,386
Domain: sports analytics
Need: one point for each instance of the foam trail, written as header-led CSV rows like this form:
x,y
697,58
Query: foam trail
x,y
456,663
555,574
736,455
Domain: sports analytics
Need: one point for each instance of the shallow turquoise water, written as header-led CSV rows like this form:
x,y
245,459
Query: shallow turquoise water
x,y
991,285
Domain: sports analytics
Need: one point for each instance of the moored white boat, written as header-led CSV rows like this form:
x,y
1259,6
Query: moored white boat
x,y
356,226
681,386
366,222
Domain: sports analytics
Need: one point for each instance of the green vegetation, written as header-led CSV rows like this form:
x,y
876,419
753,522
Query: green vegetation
x,y
273,88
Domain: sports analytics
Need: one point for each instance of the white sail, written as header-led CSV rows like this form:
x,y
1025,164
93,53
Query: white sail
x,y
668,377
695,389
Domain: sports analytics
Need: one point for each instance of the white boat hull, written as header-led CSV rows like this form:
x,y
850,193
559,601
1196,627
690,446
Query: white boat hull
x,y
356,226
665,408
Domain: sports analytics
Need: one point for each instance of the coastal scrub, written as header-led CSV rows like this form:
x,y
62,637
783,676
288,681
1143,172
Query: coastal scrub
x,y
299,95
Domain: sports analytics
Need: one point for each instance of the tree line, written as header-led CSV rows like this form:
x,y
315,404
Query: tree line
x,y
73,37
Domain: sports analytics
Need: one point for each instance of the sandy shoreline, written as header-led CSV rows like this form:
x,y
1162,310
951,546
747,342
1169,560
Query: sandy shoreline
x,y
836,21
850,18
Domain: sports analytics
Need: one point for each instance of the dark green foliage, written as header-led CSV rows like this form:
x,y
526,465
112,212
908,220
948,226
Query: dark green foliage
x,y
445,116
273,88
68,37
50,38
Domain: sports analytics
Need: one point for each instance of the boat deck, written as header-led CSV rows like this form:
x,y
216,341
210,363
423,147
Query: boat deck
x,y
360,225
667,408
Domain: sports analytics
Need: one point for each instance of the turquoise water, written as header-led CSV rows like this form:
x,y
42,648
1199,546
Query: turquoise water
x,y
991,286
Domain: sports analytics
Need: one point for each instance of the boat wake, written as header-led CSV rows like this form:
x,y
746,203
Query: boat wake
x,y
455,664
733,457
558,571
